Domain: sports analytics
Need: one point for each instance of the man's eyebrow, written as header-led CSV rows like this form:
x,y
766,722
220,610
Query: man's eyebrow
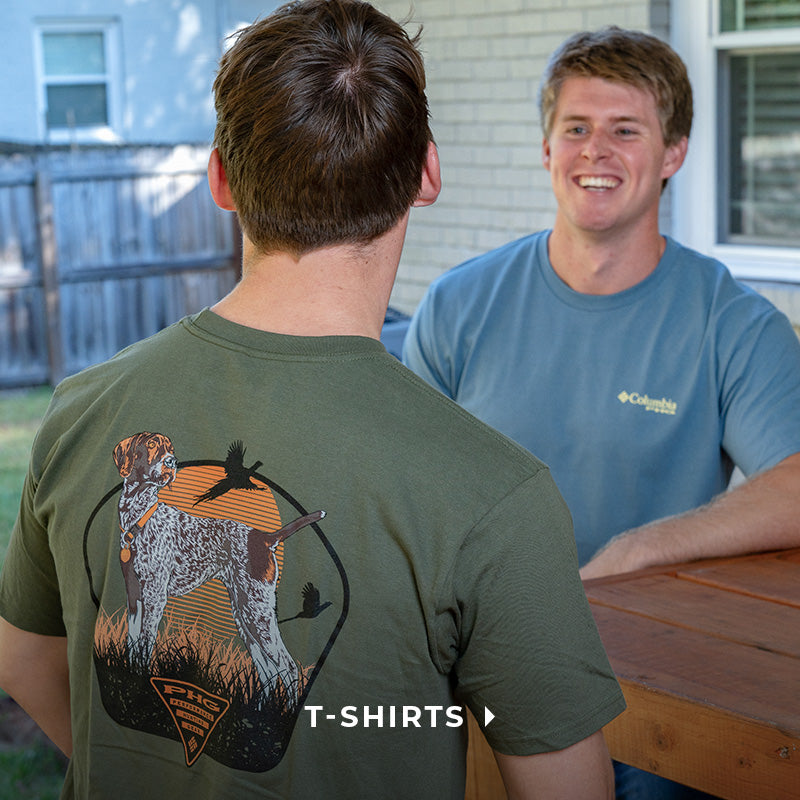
x,y
587,117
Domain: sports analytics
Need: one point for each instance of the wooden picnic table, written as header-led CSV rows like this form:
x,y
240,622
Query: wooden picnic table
x,y
708,656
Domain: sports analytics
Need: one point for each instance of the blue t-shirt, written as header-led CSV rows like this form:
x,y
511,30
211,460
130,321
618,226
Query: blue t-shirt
x,y
640,402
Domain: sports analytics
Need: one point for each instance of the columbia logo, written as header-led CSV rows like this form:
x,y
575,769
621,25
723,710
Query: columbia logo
x,y
662,406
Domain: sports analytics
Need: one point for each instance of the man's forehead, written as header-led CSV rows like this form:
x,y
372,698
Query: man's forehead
x,y
588,97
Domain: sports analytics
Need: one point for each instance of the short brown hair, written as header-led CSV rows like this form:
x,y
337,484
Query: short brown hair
x,y
623,56
322,124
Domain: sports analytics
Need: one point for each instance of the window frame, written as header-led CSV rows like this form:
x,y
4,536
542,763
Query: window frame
x,y
695,197
109,29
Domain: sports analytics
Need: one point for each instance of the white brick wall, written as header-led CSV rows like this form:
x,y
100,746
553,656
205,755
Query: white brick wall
x,y
484,59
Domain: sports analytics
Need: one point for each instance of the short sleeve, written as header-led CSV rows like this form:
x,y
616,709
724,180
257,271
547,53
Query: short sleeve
x,y
760,380
531,652
29,591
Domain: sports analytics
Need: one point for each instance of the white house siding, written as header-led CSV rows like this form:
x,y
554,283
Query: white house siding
x,y
484,59
166,57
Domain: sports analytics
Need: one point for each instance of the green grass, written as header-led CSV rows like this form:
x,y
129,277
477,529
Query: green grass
x,y
34,772
20,415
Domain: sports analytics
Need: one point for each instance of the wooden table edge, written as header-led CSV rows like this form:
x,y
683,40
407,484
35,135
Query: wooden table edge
x,y
763,763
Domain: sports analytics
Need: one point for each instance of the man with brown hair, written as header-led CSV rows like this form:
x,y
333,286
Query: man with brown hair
x,y
255,555
637,369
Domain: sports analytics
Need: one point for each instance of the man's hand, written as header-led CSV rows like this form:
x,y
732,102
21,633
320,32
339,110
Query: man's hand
x,y
759,515
624,553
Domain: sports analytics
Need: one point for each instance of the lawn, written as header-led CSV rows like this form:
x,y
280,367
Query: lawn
x,y
20,414
30,769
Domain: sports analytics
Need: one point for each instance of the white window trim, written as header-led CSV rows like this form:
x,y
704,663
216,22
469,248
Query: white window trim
x,y
100,133
694,188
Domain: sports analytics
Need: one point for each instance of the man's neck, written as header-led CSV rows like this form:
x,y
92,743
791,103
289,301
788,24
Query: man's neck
x,y
334,291
600,265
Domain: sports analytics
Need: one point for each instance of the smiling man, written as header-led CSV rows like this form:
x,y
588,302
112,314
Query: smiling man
x,y
638,369
608,160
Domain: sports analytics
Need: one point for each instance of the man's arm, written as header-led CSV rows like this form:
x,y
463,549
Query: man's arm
x,y
580,772
34,671
759,515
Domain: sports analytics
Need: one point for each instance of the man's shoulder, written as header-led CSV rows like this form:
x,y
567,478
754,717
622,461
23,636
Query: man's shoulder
x,y
701,268
485,268
122,364
106,383
733,315
706,276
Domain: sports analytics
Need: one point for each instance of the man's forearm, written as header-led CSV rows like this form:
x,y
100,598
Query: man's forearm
x,y
34,671
760,514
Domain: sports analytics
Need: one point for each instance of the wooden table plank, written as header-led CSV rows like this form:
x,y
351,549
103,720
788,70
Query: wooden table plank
x,y
763,686
705,607
776,579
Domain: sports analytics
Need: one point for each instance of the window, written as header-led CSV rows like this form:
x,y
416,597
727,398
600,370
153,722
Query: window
x,y
739,196
749,15
78,80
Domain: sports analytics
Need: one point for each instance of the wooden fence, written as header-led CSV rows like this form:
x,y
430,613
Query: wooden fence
x,y
102,247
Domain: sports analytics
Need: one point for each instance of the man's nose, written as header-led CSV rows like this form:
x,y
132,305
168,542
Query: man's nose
x,y
597,145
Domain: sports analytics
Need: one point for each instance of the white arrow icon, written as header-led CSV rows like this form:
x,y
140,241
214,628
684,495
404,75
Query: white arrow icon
x,y
487,716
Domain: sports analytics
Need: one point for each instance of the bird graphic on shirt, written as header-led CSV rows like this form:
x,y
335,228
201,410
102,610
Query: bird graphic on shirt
x,y
311,605
237,476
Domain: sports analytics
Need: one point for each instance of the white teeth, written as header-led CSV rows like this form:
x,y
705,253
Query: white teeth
x,y
590,182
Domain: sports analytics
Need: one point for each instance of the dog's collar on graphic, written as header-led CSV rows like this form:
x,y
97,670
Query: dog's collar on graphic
x,y
127,539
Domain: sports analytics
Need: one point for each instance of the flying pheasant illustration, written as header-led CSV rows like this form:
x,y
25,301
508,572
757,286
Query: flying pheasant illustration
x,y
237,476
311,605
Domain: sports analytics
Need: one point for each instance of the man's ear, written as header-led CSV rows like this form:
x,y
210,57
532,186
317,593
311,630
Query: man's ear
x,y
218,182
546,154
674,157
431,178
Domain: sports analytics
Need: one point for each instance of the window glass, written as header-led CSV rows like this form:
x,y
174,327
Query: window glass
x,y
747,15
76,106
763,170
73,54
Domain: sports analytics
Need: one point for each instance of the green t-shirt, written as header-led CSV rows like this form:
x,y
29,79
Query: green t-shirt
x,y
227,639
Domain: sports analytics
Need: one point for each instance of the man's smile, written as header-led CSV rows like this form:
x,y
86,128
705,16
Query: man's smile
x,y
597,182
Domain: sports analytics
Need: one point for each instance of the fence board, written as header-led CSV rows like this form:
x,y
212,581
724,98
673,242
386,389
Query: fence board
x,y
105,246
18,241
23,348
